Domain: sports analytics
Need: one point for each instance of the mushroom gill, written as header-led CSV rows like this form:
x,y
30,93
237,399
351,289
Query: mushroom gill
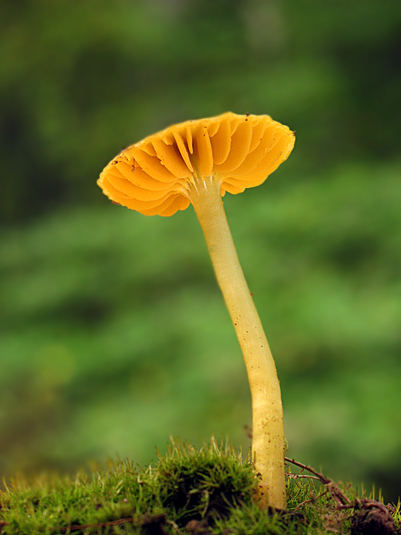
x,y
154,175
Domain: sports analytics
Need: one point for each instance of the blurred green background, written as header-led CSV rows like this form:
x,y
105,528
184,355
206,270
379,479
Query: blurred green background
x,y
113,332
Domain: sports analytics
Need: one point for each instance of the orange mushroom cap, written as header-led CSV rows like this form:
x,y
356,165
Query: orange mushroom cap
x,y
239,151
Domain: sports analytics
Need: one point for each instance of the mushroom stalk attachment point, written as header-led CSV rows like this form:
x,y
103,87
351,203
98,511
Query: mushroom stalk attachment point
x,y
268,442
197,162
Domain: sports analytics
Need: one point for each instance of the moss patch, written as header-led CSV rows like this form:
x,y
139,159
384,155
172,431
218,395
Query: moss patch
x,y
189,491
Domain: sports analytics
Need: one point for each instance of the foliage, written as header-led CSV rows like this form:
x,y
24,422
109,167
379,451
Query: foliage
x,y
84,375
113,334
79,81
209,490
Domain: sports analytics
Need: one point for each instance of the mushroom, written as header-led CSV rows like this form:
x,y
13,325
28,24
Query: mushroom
x,y
197,162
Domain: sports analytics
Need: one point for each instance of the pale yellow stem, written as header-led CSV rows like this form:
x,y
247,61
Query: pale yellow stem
x,y
267,412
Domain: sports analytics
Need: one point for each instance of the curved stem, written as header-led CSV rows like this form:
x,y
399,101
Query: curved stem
x,y
267,413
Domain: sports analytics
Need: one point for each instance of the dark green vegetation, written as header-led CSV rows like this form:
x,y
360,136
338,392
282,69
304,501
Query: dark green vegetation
x,y
189,491
113,333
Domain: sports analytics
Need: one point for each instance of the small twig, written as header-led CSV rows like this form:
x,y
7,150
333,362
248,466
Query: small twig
x,y
325,480
313,499
336,493
302,476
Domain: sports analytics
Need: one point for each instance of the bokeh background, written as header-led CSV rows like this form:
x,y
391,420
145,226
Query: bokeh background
x,y
113,332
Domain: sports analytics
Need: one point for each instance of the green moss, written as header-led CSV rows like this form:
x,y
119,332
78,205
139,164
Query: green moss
x,y
189,491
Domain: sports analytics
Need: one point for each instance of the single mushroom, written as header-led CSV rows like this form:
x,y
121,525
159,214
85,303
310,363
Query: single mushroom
x,y
197,162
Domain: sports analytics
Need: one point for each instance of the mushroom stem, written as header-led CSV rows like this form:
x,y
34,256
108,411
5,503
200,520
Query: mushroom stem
x,y
268,441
